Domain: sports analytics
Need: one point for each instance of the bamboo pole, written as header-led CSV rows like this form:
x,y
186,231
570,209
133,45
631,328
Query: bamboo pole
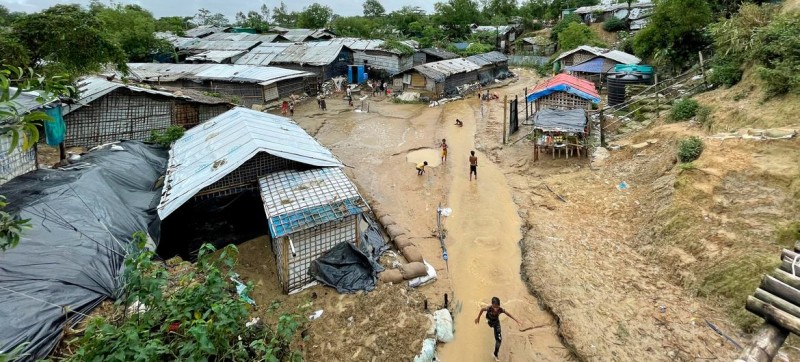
x,y
787,278
765,344
773,315
777,301
780,289
505,116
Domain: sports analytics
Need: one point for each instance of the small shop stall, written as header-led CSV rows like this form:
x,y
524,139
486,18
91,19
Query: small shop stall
x,y
556,130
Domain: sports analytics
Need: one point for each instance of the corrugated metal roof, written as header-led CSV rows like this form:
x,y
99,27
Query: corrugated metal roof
x,y
264,38
306,53
442,69
364,44
92,88
615,55
300,200
208,152
204,30
167,72
613,7
441,53
263,54
216,56
493,57
499,29
202,44
27,101
249,73
538,40
301,35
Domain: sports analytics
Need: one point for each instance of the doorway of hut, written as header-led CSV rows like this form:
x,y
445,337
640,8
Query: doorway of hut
x,y
221,220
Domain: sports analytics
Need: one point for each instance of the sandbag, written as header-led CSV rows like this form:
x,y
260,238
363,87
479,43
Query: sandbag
x,y
391,276
428,351
402,241
444,325
430,276
386,220
413,270
412,254
394,231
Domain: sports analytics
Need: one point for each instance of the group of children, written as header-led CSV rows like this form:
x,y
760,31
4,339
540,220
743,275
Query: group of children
x,y
473,160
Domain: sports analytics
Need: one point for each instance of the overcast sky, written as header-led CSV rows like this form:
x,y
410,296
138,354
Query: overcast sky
x,y
229,8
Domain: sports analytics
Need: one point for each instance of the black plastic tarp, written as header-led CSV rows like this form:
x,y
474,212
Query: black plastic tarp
x,y
72,258
570,120
372,242
346,268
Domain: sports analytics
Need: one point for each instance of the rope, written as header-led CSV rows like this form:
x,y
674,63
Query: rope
x,y
66,308
794,262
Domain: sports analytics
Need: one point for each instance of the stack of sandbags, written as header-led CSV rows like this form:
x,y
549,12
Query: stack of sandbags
x,y
413,270
391,276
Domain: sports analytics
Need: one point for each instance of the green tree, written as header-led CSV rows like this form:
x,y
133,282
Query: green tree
x,y
355,26
576,35
205,17
402,19
68,39
133,28
675,33
505,9
283,17
456,16
253,19
12,52
563,24
777,54
8,17
373,9
174,24
315,16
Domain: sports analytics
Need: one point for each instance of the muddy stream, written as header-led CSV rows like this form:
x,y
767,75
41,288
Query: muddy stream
x,y
484,257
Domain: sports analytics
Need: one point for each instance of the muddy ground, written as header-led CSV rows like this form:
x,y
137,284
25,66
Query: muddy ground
x,y
582,274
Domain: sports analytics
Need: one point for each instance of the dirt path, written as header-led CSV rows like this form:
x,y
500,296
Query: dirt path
x,y
483,236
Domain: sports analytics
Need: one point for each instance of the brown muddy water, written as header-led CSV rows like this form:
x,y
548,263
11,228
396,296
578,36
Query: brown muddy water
x,y
483,233
432,156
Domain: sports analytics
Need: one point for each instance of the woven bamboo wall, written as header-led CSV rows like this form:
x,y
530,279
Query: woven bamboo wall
x,y
561,100
121,114
246,176
16,163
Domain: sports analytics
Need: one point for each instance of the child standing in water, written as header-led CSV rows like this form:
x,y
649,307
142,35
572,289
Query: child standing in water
x,y
444,150
493,313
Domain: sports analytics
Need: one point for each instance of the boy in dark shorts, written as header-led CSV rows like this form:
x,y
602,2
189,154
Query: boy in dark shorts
x,y
473,165
493,313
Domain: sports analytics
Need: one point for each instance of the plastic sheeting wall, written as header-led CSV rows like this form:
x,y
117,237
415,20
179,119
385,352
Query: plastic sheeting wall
x,y
72,257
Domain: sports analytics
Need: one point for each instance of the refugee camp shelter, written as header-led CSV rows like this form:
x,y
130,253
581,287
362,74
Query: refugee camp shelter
x,y
245,84
563,92
428,55
492,65
505,35
307,35
538,45
214,51
596,69
108,111
557,130
19,161
262,38
309,212
584,52
203,31
636,13
378,53
231,151
326,61
439,78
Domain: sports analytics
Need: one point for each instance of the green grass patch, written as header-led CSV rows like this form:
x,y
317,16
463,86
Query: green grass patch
x,y
787,235
687,166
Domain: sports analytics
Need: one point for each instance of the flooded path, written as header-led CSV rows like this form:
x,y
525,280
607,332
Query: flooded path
x,y
484,257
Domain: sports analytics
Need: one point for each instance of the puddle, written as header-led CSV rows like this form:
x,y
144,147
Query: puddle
x,y
433,156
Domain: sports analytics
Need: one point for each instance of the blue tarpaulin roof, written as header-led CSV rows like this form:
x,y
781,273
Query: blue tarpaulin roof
x,y
563,88
286,224
594,65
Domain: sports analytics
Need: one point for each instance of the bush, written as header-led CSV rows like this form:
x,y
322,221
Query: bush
x,y
684,109
563,24
689,149
726,73
703,115
172,134
614,24
198,317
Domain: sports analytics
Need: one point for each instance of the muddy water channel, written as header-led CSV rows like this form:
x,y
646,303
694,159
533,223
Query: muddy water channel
x,y
482,239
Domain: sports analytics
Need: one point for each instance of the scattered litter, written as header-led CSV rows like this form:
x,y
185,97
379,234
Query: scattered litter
x,y
117,148
409,97
137,307
419,281
428,352
316,315
662,308
252,322
554,193
444,325
622,186
723,334
241,289
446,211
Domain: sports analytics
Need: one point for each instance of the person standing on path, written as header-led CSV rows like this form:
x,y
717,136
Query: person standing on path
x,y
444,150
473,165
493,313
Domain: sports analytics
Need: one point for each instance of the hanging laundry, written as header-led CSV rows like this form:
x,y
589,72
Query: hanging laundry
x,y
55,129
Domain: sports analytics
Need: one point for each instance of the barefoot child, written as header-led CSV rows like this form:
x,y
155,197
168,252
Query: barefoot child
x,y
444,150
493,313
421,167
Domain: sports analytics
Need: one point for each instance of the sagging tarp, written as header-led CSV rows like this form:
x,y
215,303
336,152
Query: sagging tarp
x,y
345,268
372,242
72,258
569,120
